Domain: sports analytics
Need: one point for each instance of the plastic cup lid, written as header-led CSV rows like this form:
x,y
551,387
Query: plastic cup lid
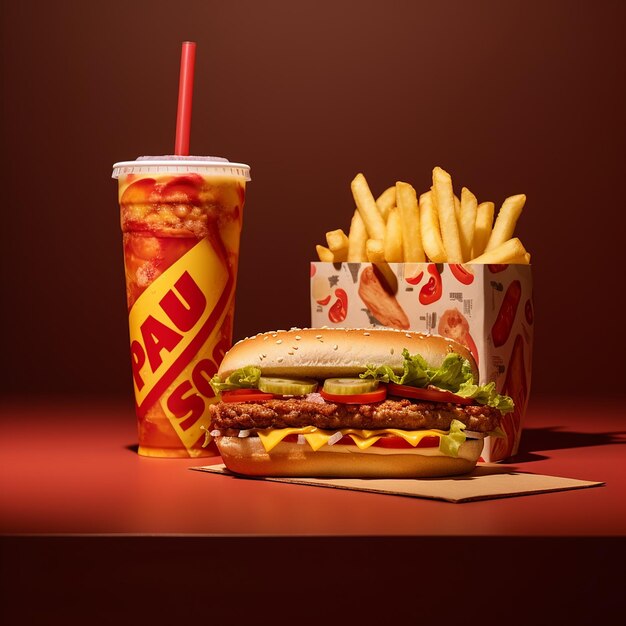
x,y
174,164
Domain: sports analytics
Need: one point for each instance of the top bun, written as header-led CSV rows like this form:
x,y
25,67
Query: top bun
x,y
324,352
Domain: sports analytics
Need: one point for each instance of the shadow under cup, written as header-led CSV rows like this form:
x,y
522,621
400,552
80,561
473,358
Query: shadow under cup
x,y
181,221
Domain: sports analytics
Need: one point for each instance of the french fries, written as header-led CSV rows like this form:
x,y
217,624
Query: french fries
x,y
429,225
505,222
409,213
393,244
482,229
457,208
325,255
439,228
386,201
507,252
338,244
467,222
357,239
443,196
366,205
375,251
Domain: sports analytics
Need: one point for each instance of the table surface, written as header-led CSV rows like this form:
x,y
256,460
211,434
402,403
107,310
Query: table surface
x,y
70,467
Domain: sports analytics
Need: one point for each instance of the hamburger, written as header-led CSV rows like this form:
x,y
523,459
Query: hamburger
x,y
352,403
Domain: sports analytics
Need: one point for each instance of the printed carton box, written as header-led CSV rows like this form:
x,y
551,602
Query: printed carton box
x,y
487,308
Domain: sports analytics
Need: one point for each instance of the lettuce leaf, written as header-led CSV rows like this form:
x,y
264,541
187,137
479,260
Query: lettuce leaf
x,y
243,378
454,374
449,444
486,395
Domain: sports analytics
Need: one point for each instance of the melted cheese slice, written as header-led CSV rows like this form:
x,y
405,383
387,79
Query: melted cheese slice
x,y
317,438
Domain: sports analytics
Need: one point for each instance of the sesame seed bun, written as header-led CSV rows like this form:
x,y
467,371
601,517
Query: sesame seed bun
x,y
324,352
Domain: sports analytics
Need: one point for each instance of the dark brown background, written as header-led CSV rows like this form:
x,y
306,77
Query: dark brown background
x,y
509,97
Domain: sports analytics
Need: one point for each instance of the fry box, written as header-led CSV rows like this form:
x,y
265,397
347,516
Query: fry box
x,y
487,308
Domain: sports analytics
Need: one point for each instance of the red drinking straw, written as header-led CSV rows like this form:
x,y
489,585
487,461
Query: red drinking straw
x,y
185,97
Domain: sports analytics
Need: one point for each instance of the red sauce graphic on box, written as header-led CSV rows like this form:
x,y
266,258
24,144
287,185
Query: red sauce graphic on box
x,y
528,312
414,280
506,315
463,275
516,386
432,290
454,324
339,310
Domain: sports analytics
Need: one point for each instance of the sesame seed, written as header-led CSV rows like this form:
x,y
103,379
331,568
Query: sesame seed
x,y
279,341
298,337
335,347
392,350
290,353
274,335
280,359
318,336
409,335
366,334
265,338
294,347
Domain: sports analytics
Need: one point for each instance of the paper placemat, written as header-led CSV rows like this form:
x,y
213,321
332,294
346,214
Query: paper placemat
x,y
484,483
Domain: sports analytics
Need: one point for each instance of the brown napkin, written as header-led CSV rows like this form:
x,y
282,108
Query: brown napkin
x,y
485,482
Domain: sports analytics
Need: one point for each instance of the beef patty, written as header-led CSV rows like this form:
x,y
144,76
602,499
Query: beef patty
x,y
397,413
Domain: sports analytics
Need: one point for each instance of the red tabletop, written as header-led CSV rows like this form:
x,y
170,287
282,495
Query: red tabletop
x,y
70,467
83,517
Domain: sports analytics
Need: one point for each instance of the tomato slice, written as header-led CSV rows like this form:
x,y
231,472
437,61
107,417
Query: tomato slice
x,y
245,395
430,395
358,398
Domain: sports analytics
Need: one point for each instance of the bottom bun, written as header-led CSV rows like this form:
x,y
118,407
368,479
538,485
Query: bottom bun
x,y
246,455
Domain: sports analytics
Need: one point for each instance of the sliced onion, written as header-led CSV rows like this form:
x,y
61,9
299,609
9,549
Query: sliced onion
x,y
301,440
244,433
471,434
335,438
315,397
216,433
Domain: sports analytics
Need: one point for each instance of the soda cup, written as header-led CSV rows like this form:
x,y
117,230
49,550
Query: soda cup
x,y
181,220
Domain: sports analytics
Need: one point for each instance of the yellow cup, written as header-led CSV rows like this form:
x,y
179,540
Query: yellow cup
x,y
181,221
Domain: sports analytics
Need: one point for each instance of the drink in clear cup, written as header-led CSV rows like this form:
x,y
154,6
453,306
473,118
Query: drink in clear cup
x,y
181,220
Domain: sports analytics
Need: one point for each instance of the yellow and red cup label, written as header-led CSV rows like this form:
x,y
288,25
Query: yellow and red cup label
x,y
177,342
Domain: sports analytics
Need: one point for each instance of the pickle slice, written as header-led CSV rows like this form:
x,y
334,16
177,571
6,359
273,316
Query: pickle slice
x,y
287,386
349,386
